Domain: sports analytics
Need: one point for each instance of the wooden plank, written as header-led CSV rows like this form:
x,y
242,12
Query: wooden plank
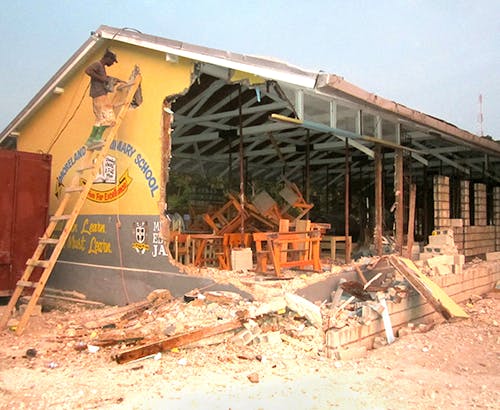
x,y
176,341
411,220
427,288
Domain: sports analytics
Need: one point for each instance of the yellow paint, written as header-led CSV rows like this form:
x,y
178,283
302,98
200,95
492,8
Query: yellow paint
x,y
251,79
279,117
112,194
64,121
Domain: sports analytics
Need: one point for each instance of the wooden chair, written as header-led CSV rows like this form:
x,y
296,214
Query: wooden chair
x,y
292,195
182,247
231,241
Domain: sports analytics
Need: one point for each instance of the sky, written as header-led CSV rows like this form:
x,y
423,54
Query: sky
x,y
435,56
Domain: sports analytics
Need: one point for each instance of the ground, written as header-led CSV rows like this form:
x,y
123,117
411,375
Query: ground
x,y
452,366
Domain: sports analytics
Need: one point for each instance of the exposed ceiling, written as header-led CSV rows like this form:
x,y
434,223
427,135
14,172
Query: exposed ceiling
x,y
207,124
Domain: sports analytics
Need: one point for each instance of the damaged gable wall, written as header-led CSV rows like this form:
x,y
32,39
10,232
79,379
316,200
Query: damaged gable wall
x,y
118,231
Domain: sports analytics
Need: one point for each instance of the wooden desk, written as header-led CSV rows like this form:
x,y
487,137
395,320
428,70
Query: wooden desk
x,y
287,250
205,247
333,244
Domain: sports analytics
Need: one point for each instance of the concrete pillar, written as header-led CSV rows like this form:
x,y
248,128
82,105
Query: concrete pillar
x,y
441,190
496,216
480,205
464,202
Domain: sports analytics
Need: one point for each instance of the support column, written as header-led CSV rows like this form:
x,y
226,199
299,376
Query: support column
x,y
496,216
464,202
398,197
441,190
480,204
379,205
347,204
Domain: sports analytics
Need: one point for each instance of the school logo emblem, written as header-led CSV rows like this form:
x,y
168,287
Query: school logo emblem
x,y
140,231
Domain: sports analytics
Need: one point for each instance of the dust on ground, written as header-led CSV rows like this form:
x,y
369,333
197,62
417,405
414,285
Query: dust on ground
x,y
54,365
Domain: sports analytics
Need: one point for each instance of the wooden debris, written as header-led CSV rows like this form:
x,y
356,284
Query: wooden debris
x,y
337,294
118,314
222,297
175,341
356,289
115,341
361,275
427,288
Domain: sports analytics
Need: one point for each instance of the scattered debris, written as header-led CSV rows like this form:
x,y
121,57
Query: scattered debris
x,y
253,377
427,288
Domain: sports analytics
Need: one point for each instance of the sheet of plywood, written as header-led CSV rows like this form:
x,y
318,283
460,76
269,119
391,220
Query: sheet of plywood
x,y
436,296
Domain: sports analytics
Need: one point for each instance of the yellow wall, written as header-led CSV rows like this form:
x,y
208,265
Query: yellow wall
x,y
61,126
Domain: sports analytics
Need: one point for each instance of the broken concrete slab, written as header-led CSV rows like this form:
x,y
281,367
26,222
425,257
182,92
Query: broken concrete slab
x,y
305,308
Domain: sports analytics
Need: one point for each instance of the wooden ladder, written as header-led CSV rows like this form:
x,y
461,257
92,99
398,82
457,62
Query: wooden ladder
x,y
68,209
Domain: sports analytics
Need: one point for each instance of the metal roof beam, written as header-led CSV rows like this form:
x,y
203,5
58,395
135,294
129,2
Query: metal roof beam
x,y
186,120
446,160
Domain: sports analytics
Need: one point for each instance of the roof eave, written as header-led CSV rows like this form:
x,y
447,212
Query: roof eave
x,y
263,67
333,84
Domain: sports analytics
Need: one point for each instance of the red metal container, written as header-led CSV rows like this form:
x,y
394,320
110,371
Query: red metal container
x,y
24,204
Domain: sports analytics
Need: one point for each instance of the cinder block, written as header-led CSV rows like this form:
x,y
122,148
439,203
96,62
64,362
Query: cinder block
x,y
459,259
241,259
493,256
456,223
441,240
441,260
442,270
273,338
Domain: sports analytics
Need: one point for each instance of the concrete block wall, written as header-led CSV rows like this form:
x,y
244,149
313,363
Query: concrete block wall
x,y
469,240
441,191
496,216
464,202
479,240
480,205
477,279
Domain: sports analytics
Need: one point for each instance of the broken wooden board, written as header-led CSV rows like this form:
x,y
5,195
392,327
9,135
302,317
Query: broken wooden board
x,y
175,341
427,288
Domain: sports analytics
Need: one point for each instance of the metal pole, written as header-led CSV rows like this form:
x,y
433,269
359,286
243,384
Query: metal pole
x,y
379,204
346,202
242,168
398,194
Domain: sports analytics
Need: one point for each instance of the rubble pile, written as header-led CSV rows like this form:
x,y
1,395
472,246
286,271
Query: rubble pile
x,y
274,315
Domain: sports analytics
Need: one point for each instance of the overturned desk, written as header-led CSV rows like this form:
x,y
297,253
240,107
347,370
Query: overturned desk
x,y
205,247
331,242
287,250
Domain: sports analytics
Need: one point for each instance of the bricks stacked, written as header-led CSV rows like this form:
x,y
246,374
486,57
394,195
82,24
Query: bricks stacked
x,y
441,190
480,205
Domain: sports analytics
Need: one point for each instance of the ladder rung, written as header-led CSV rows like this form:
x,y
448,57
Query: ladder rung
x,y
78,188
60,218
48,241
126,85
38,263
96,146
27,284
